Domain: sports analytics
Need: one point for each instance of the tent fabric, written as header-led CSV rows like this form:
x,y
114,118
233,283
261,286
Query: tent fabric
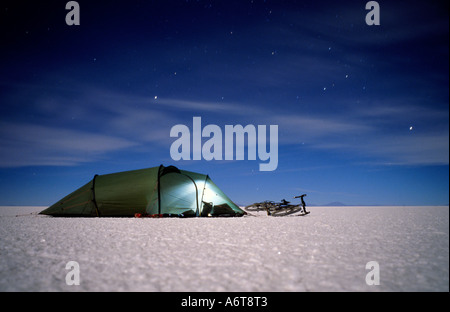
x,y
159,190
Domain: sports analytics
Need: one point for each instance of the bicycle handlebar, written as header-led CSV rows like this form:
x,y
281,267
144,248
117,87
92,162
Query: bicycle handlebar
x,y
300,196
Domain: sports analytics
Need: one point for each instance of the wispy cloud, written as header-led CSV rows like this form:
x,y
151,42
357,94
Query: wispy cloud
x,y
412,149
114,121
27,144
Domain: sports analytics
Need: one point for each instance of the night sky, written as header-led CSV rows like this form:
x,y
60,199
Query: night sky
x,y
362,111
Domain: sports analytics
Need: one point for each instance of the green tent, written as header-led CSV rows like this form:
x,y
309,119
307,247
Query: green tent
x,y
165,191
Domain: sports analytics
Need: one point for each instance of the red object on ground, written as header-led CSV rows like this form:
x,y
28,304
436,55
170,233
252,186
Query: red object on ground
x,y
140,215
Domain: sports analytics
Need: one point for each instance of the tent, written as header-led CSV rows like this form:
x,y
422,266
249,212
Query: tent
x,y
161,191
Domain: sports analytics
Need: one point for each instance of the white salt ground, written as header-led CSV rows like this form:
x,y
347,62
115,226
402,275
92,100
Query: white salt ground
x,y
324,251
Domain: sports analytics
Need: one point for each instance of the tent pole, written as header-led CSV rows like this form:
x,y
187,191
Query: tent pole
x,y
203,193
93,196
159,189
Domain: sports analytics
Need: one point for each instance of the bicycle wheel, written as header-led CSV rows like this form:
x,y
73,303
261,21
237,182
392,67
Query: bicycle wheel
x,y
260,206
254,207
284,211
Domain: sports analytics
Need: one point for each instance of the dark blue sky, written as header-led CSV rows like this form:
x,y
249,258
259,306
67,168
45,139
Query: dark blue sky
x,y
362,110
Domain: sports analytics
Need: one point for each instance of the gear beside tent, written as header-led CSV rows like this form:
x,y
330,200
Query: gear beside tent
x,y
158,191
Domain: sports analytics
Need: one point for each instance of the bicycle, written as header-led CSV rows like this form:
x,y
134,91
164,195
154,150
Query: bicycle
x,y
279,209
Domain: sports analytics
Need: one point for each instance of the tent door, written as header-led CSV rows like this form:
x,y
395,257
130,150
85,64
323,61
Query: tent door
x,y
178,195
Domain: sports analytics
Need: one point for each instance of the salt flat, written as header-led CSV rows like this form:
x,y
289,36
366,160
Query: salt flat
x,y
326,250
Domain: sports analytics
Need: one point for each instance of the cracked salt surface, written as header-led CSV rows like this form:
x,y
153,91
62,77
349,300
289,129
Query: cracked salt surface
x,y
324,251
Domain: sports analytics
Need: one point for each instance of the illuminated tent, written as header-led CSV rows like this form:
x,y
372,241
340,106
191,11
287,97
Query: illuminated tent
x,y
162,191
